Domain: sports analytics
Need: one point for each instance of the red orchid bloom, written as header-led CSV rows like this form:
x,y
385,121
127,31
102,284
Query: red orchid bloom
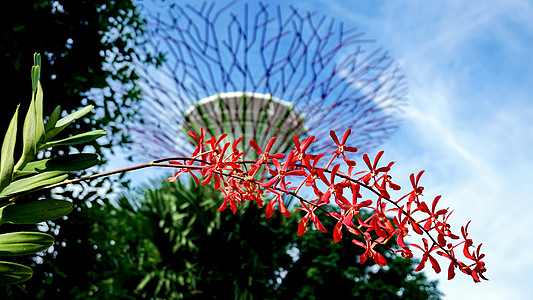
x,y
433,215
370,252
443,229
354,207
451,256
342,220
413,196
269,211
427,255
334,188
401,224
479,266
280,173
180,172
347,214
230,197
313,171
300,148
417,190
265,156
373,169
216,158
310,215
236,154
199,142
467,242
342,147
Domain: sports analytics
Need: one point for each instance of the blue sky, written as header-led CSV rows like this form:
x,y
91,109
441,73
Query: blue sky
x,y
469,69
468,123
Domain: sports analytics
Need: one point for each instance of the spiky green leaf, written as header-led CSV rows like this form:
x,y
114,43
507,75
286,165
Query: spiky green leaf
x,y
65,121
52,120
32,212
23,243
71,162
11,273
76,140
32,182
39,118
8,147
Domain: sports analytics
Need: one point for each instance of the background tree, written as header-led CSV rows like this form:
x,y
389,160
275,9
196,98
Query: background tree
x,y
169,242
86,46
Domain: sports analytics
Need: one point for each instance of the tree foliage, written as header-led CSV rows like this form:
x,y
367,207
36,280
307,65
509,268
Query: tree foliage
x,y
169,242
20,177
86,47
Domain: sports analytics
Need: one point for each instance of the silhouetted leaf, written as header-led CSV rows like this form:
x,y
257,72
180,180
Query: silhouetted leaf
x,y
65,121
11,273
82,138
23,243
8,147
33,182
31,212
72,162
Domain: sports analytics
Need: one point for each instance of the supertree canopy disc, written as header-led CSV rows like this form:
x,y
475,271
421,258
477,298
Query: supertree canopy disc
x,y
249,115
259,71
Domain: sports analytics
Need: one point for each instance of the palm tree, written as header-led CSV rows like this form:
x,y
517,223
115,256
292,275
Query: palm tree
x,y
168,241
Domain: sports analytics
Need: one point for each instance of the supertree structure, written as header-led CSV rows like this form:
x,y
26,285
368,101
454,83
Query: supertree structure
x,y
259,71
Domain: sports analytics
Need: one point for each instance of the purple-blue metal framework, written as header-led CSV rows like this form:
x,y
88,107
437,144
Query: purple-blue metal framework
x,y
325,71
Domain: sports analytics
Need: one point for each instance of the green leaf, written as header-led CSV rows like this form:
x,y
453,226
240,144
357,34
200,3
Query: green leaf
x,y
35,77
39,118
65,121
33,129
71,162
77,139
8,147
23,243
32,212
11,273
52,120
33,182
28,138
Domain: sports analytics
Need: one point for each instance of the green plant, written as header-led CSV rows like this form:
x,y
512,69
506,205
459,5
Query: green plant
x,y
29,173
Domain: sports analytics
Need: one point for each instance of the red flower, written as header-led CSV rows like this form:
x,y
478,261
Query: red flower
x,y
199,141
402,230
269,211
342,147
467,243
216,164
280,173
236,154
314,172
374,170
333,188
370,252
299,149
479,266
182,171
310,214
433,216
443,229
451,255
265,156
426,256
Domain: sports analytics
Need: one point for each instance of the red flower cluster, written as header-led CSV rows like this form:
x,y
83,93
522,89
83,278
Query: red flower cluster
x,y
270,173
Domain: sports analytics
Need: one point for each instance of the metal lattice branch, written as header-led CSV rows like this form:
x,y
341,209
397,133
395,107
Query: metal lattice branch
x,y
323,71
